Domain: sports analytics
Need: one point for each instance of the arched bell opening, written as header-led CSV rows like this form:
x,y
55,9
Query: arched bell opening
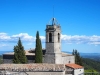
x,y
58,37
50,37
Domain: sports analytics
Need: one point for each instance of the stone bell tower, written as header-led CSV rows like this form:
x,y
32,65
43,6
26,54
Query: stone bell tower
x,y
53,43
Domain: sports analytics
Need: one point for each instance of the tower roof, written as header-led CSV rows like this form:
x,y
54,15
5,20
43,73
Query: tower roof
x,y
53,21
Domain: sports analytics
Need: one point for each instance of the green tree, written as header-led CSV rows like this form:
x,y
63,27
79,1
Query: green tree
x,y
16,60
19,53
1,59
78,58
73,52
38,49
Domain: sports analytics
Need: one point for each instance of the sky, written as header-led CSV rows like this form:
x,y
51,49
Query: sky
x,y
79,21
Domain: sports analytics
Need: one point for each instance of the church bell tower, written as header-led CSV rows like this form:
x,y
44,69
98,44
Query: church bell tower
x,y
53,43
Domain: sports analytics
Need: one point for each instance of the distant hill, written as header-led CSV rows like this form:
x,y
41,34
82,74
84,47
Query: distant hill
x,y
94,56
2,52
90,64
91,61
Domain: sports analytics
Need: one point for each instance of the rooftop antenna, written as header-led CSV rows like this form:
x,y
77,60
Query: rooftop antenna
x,y
53,11
53,17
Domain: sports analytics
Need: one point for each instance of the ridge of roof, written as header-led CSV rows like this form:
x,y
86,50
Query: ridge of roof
x,y
75,66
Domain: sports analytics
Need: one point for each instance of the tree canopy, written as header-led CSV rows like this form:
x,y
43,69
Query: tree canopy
x,y
38,49
78,58
19,53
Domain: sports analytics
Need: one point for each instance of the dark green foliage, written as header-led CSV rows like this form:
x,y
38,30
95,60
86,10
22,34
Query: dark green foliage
x,y
90,70
38,50
78,58
1,59
90,64
73,52
16,60
19,53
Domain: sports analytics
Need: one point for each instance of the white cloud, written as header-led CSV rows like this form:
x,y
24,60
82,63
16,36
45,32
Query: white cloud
x,y
4,36
24,37
83,39
42,38
3,45
69,39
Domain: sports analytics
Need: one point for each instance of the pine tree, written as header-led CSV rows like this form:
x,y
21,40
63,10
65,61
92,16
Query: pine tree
x,y
78,58
16,60
19,53
38,49
73,52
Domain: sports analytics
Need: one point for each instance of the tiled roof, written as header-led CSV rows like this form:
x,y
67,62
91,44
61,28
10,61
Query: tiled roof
x,y
66,54
26,53
32,67
74,66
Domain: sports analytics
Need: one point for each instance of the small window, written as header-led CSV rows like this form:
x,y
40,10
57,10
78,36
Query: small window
x,y
50,37
58,37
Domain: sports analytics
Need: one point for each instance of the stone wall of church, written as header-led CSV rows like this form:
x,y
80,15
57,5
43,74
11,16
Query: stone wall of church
x,y
49,47
53,58
53,48
58,58
79,71
68,59
49,58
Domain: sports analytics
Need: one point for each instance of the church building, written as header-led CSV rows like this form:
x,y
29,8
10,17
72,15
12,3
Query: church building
x,y
52,53
55,62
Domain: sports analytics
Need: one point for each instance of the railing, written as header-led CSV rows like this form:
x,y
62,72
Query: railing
x,y
90,73
87,73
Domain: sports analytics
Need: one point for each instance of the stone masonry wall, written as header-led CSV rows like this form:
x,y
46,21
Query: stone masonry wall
x,y
68,59
49,58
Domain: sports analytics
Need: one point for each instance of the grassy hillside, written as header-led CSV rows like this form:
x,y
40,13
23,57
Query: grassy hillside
x,y
91,65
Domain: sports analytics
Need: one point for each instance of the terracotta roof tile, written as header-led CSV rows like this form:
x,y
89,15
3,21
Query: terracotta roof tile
x,y
33,67
74,66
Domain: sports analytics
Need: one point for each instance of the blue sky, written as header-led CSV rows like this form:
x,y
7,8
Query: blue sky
x,y
79,20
